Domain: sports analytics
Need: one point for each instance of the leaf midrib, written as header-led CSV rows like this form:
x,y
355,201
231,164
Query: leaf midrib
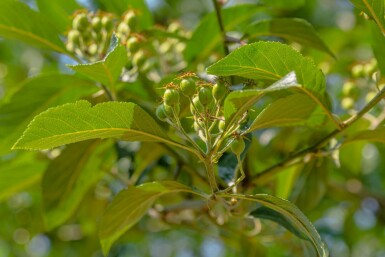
x,y
33,36
376,18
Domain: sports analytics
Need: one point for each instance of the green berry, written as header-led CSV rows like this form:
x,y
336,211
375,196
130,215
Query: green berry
x,y
205,96
80,22
350,89
93,49
133,44
238,146
123,29
161,113
74,36
358,71
96,24
170,110
107,23
370,68
219,91
196,105
347,103
139,59
221,125
131,19
171,97
188,87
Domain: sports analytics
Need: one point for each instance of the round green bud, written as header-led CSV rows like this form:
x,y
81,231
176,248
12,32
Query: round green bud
x,y
80,22
170,110
219,91
93,49
74,36
171,97
370,68
107,23
347,103
350,89
96,24
188,87
205,96
139,59
369,96
123,29
70,47
133,44
221,125
196,105
131,19
174,27
238,146
358,71
161,113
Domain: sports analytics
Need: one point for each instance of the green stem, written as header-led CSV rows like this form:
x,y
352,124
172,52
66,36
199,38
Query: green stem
x,y
218,13
108,93
293,159
211,175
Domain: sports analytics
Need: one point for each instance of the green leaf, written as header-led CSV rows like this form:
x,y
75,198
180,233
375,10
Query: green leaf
x,y
108,70
376,135
130,205
375,9
207,36
311,185
292,215
293,110
270,214
271,61
19,173
79,121
378,42
18,21
58,11
283,4
291,29
36,95
70,176
121,6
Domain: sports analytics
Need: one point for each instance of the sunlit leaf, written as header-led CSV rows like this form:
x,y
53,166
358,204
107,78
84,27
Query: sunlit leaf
x,y
292,110
36,95
121,6
18,21
80,121
108,70
374,9
130,205
271,61
291,29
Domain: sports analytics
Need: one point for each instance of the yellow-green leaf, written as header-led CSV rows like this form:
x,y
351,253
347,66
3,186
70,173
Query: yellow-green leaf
x,y
74,122
130,205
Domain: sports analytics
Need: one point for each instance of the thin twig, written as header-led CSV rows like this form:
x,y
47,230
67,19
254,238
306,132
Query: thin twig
x,y
221,24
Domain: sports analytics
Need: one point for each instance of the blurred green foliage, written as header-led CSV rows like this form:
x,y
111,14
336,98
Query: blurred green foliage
x,y
342,191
